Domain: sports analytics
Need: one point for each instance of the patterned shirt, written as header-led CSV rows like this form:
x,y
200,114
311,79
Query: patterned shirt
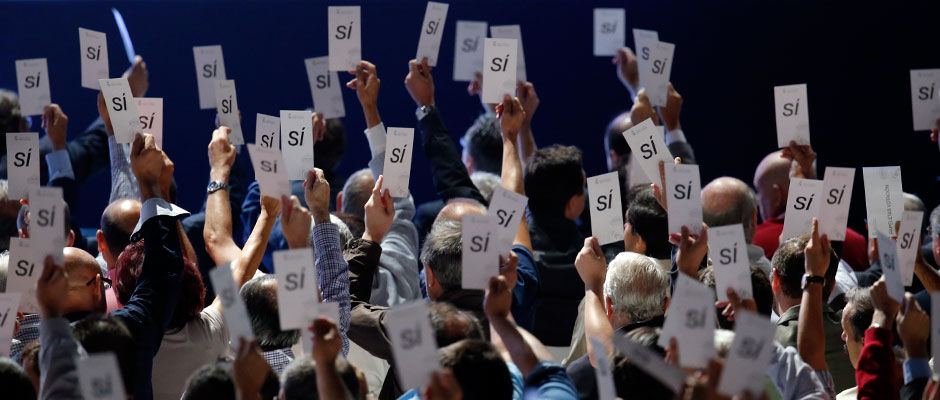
x,y
29,332
332,273
123,183
278,359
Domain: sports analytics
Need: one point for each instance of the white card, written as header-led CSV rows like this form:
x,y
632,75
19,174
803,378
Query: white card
x,y
884,200
727,249
210,66
803,202
32,83
22,163
9,302
924,98
749,355
791,107
683,197
468,50
122,109
909,244
413,344
296,287
643,43
610,31
236,315
269,171
99,377
647,143
653,364
637,174
328,310
480,260
297,143
150,110
499,71
325,87
399,145
512,32
226,103
47,223
94,50
268,131
834,212
606,208
935,329
888,255
432,31
23,272
655,78
691,320
345,39
603,370
509,209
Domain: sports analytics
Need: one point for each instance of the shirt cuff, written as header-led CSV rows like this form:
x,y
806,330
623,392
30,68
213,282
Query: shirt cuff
x,y
915,368
59,165
675,136
376,137
156,207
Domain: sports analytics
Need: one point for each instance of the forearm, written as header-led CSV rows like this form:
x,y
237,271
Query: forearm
x,y
371,112
329,384
333,274
526,142
512,167
520,351
244,267
57,353
875,373
927,275
595,321
811,340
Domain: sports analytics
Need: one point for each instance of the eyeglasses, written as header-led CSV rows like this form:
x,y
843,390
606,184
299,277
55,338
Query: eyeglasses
x,y
107,282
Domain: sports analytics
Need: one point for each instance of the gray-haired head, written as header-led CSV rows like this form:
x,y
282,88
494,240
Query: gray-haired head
x,y
345,235
299,379
260,297
486,183
442,252
636,286
356,192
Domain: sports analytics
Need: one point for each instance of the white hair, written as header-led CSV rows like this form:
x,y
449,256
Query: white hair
x,y
636,286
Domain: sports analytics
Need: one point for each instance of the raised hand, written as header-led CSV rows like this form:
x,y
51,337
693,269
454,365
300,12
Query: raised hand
x,y
366,84
511,115
914,328
295,222
591,265
498,299
52,289
327,341
152,168
249,370
816,255
380,212
885,307
138,77
221,153
692,250
627,69
642,109
801,158
317,195
670,113
528,98
420,83
319,126
735,304
659,191
55,122
270,205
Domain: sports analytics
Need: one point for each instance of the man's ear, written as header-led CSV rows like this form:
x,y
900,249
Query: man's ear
x,y
614,157
102,245
778,196
71,241
608,307
339,201
640,244
429,277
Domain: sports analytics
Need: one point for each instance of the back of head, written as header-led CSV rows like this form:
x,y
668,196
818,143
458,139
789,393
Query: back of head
x,y
636,286
260,297
329,151
452,325
14,381
127,274
552,177
356,192
117,223
913,203
479,369
789,264
211,382
486,183
443,252
484,142
861,312
299,379
355,223
633,382
11,117
102,333
9,208
613,138
934,221
345,235
729,201
760,285
649,220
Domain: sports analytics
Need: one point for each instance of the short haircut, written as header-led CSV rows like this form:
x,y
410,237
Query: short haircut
x,y
452,325
329,151
789,264
260,296
614,140
443,252
633,382
552,177
15,382
212,381
484,142
11,116
192,290
649,220
479,369
356,192
486,183
740,211
760,285
345,235
355,223
101,333
299,379
116,237
935,221
636,286
913,203
9,208
863,309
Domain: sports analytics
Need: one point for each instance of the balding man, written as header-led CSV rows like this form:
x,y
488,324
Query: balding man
x,y
729,201
86,293
772,181
117,223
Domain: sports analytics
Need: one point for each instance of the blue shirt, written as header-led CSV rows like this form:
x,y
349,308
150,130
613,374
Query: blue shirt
x,y
525,294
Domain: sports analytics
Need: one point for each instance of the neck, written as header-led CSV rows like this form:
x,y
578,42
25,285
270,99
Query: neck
x,y
784,303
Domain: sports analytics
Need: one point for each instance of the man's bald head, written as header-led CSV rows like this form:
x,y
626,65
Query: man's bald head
x,y
457,208
728,201
117,223
616,145
356,192
81,268
80,265
772,181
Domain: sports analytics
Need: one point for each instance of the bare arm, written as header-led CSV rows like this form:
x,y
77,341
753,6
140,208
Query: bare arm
x,y
530,102
326,347
511,112
811,339
496,305
218,229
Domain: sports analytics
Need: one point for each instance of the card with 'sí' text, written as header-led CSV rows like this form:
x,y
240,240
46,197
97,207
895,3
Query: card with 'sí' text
x,y
803,201
655,77
269,171
414,346
22,274
609,30
749,355
603,371
236,315
151,117
791,108
512,32
480,258
643,42
727,249
22,163
297,144
94,50
647,142
99,377
499,69
47,223
909,244
122,109
32,84
9,303
227,107
834,211
691,320
606,208
888,255
345,40
509,209
468,50
296,287
210,66
925,101
683,197
399,146
432,30
267,131
325,87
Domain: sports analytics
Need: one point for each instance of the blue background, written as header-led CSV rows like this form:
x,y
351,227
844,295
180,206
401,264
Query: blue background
x,y
855,57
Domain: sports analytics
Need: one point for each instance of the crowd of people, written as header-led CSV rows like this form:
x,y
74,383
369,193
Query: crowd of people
x,y
140,287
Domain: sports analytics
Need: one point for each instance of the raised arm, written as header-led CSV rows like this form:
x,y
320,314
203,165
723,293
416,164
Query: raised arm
x,y
811,338
496,306
327,343
217,233
914,331
875,373
58,349
513,116
592,267
530,102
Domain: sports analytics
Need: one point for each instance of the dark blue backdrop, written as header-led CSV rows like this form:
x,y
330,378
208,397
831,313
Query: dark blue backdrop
x,y
854,56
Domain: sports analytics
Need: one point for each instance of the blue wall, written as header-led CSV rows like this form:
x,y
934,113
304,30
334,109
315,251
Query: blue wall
x,y
854,56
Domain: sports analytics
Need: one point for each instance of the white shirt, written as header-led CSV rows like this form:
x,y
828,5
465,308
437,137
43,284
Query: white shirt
x,y
201,341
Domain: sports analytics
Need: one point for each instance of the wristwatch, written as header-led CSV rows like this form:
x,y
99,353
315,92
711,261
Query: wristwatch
x,y
422,112
216,186
807,279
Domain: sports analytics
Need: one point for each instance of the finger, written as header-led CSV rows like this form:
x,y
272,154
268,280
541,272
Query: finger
x,y
388,202
596,248
367,67
675,238
285,207
413,67
517,105
703,237
815,235
424,65
684,232
138,146
377,189
507,104
48,270
311,180
733,298
352,84
499,111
